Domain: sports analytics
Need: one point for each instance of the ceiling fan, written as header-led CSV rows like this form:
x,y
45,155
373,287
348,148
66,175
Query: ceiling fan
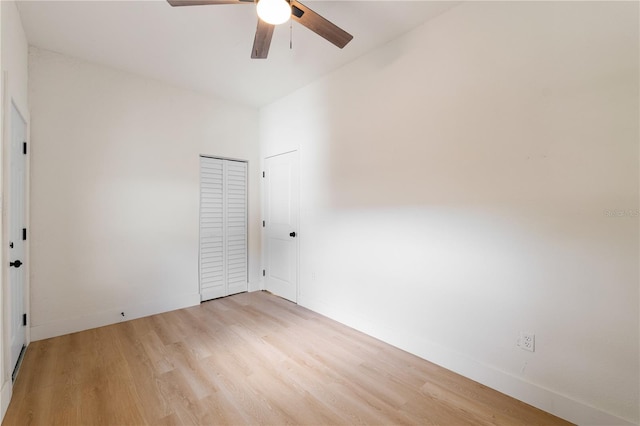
x,y
275,12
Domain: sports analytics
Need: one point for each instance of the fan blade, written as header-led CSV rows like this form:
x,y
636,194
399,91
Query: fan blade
x,y
319,25
262,40
175,3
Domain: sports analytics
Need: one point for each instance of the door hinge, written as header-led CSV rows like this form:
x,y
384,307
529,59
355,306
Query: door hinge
x,y
24,148
264,273
263,223
24,234
262,174
24,319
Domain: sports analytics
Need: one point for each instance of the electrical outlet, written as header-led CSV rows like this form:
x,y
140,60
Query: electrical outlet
x,y
527,341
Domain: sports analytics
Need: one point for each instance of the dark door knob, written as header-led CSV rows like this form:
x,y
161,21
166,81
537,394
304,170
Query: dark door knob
x,y
292,234
17,263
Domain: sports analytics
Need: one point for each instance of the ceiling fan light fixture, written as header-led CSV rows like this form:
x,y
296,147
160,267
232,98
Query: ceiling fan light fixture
x,y
274,12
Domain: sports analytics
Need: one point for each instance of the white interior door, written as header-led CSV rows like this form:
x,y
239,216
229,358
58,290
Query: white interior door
x,y
223,228
281,225
16,236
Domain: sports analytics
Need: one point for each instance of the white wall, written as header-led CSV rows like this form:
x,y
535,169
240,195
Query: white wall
x,y
115,191
455,185
14,55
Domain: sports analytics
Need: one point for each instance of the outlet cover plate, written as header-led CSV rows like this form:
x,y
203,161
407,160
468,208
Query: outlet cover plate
x,y
527,341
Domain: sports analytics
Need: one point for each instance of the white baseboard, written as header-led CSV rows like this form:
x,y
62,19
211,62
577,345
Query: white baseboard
x,y
256,285
537,396
5,397
99,319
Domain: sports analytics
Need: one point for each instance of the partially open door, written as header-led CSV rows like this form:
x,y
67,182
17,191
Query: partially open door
x,y
17,237
281,225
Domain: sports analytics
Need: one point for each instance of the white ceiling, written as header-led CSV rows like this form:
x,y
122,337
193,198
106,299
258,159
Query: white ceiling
x,y
207,48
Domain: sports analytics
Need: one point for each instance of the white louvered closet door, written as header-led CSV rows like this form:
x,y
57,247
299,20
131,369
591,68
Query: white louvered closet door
x,y
236,226
212,274
223,227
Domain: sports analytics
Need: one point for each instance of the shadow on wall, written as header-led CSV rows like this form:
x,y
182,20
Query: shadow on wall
x,y
520,122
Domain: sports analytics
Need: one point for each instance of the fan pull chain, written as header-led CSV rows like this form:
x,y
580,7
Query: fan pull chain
x,y
290,34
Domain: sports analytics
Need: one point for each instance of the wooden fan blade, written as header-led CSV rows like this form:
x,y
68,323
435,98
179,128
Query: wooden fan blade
x,y
175,3
262,40
319,25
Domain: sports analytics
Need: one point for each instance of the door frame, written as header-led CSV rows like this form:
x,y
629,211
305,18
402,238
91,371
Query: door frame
x,y
265,254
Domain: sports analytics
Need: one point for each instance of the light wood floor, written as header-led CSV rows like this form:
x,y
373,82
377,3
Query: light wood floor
x,y
252,358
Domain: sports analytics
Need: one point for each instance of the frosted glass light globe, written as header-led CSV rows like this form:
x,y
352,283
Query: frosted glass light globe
x,y
274,12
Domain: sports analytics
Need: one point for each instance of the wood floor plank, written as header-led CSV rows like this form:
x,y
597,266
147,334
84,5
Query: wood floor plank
x,y
144,377
252,358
